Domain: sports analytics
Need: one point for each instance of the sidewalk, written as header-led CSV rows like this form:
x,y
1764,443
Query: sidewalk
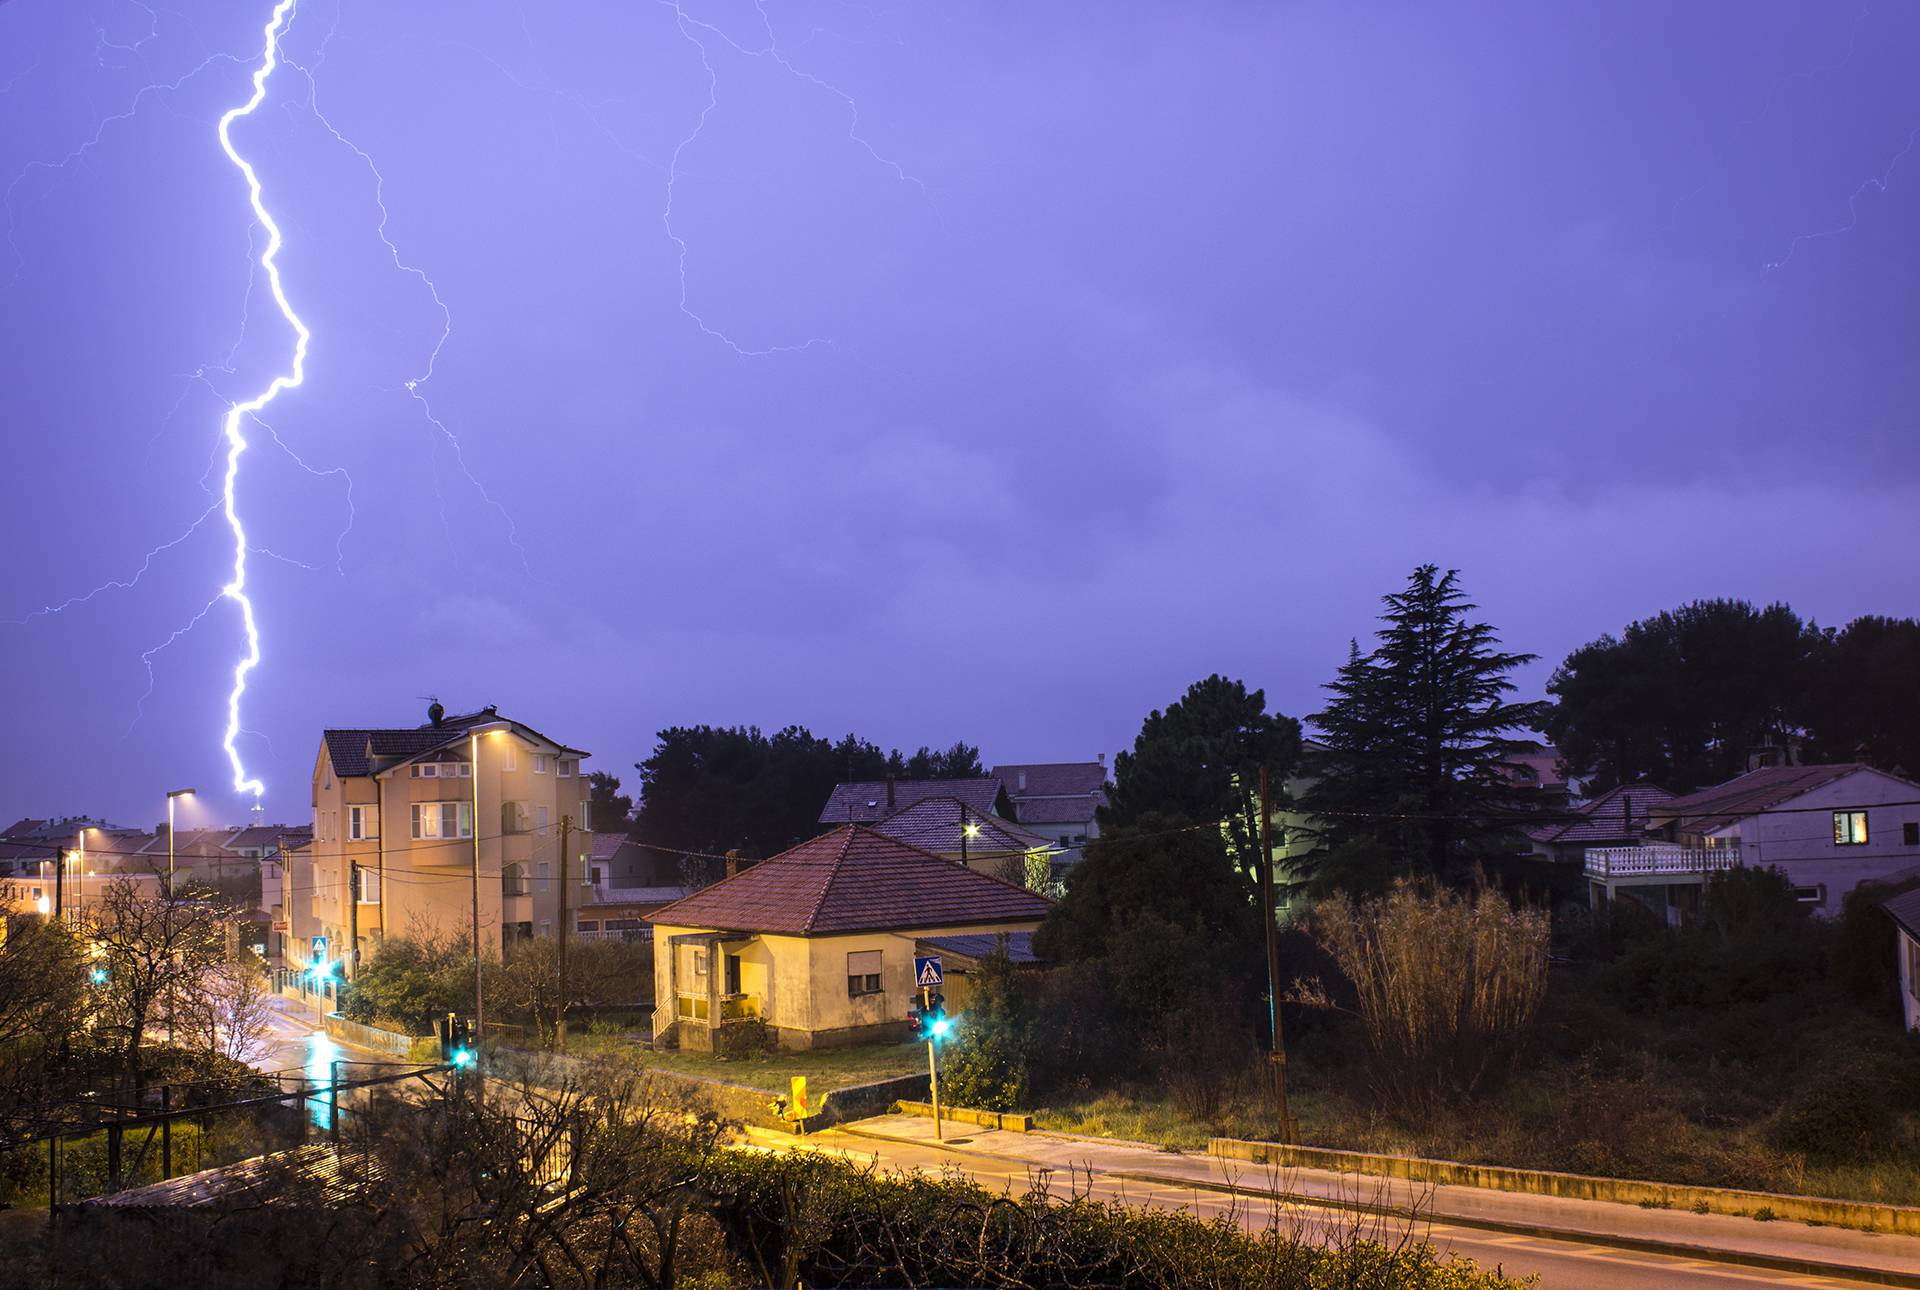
x,y
1880,1256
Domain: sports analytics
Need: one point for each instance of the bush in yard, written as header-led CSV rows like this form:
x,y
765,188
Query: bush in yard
x,y
1848,1106
409,982
1445,986
987,1063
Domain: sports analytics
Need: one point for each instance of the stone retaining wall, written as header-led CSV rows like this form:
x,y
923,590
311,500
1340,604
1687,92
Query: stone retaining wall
x,y
1011,1121
383,1041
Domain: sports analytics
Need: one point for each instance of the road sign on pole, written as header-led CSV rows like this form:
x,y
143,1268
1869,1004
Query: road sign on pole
x,y
926,971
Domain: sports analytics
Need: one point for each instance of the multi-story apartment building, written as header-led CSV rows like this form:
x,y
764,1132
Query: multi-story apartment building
x,y
412,824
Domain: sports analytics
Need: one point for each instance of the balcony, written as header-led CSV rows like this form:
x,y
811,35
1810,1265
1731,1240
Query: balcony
x,y
733,1007
1659,862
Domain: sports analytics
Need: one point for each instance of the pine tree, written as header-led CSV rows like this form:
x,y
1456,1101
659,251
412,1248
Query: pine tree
x,y
1414,778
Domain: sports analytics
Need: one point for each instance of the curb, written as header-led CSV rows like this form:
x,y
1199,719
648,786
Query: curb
x,y
1644,1245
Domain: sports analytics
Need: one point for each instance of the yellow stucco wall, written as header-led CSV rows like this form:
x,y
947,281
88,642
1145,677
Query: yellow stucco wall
x,y
802,981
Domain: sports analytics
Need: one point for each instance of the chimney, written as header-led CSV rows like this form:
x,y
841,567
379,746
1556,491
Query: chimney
x,y
1023,781
733,861
889,795
1101,758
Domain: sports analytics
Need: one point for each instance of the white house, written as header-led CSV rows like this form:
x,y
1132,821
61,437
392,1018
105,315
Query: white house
x,y
1905,909
1827,828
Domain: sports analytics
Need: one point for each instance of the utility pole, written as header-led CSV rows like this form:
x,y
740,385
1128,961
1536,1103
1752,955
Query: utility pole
x,y
560,1026
1270,916
351,960
59,882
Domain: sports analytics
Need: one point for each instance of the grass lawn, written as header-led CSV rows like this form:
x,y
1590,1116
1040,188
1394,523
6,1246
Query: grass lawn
x,y
825,1068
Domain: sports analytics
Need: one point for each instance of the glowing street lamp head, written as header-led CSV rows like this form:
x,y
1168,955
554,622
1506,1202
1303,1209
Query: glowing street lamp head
x,y
971,829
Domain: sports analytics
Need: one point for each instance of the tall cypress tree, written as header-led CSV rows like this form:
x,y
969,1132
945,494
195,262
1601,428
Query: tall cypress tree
x,y
1414,778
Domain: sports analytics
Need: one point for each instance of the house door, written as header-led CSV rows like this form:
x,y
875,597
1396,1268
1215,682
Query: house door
x,y
733,974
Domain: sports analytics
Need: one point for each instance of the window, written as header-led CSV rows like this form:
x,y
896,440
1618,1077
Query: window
x,y
588,925
565,766
1913,968
509,754
363,823
1849,828
369,893
541,817
699,962
589,873
1910,834
426,770
539,763
442,820
863,973
545,872
1815,895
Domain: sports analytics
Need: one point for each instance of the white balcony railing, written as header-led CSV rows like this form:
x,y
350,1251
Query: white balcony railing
x,y
1659,860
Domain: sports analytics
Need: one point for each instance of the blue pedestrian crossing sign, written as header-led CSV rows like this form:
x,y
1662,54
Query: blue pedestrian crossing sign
x,y
926,971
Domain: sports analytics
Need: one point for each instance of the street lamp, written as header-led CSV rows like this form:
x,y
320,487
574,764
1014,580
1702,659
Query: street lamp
x,y
172,796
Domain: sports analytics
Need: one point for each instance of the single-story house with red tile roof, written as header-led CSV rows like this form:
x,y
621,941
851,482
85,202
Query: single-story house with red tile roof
x,y
818,942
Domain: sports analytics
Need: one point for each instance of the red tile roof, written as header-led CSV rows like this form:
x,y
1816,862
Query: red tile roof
x,y
1749,794
853,880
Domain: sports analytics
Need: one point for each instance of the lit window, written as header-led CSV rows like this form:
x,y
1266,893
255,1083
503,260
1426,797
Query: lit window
x,y
442,820
369,886
1815,895
1849,828
363,823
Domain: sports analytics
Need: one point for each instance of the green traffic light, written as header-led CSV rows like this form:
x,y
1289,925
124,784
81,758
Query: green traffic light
x,y
940,1027
462,1057
99,976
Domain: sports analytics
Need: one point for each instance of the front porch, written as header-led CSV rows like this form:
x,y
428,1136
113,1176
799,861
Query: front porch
x,y
707,999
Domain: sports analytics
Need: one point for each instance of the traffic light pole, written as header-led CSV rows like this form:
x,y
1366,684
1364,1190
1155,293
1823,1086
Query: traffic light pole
x,y
933,1064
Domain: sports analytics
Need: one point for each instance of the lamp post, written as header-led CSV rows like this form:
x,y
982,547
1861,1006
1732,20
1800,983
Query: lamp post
x,y
173,795
479,1015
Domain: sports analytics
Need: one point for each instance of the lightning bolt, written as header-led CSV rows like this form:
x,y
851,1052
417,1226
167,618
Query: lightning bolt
x,y
401,264
1853,205
685,22
236,440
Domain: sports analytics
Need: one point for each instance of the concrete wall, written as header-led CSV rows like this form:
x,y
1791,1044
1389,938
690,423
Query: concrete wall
x,y
1904,1219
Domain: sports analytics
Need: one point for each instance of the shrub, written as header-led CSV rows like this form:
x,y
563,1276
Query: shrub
x,y
1846,1111
987,1065
409,981
738,1040
1444,986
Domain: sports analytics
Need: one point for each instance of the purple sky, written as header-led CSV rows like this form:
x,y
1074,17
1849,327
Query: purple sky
x,y
1150,340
